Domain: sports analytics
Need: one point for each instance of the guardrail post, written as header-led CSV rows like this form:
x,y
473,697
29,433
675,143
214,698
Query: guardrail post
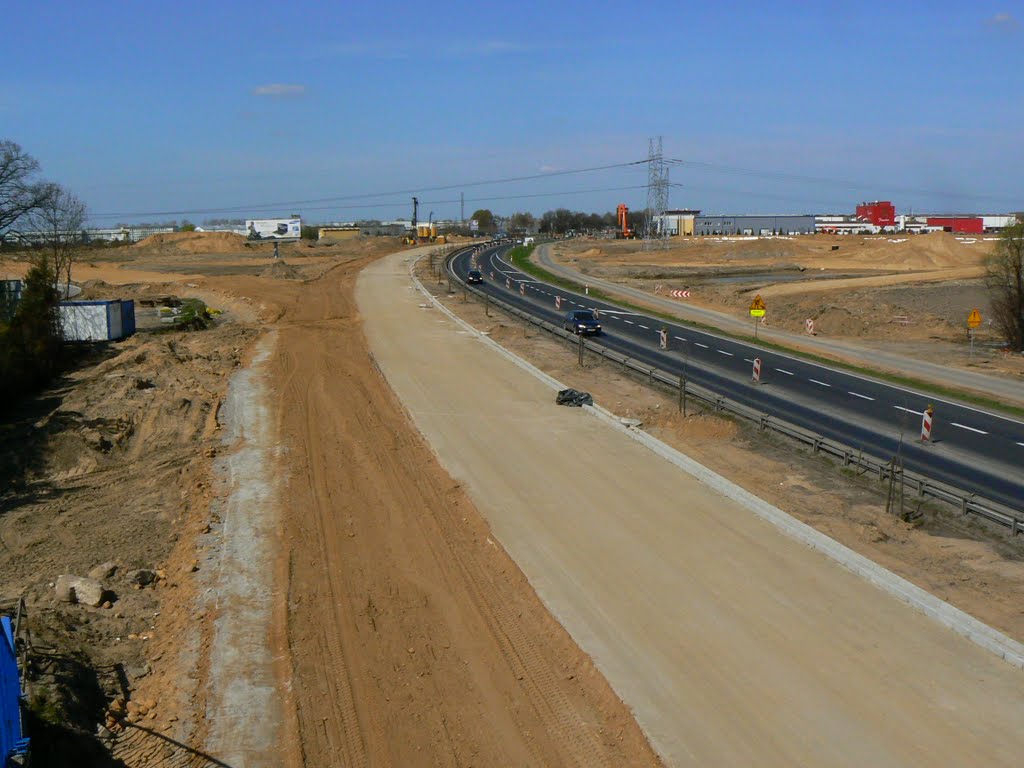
x,y
580,346
487,304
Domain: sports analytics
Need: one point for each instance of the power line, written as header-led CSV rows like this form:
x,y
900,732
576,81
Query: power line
x,y
846,183
340,198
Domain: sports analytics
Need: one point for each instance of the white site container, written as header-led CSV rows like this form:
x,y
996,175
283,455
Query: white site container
x,y
95,320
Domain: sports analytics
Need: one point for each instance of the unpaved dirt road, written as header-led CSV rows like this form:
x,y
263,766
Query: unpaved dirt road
x,y
734,644
414,639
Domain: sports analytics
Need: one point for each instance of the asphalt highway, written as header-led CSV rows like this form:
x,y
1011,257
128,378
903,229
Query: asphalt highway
x,y
972,449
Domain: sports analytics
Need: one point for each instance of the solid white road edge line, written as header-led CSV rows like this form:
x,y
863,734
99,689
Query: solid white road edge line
x,y
979,633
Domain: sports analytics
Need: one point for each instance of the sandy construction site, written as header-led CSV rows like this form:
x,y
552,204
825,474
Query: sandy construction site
x,y
338,579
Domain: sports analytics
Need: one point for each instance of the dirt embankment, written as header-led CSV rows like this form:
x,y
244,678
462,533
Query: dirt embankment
x,y
111,467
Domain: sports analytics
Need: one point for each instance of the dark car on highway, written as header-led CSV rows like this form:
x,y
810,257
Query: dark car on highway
x,y
582,321
475,276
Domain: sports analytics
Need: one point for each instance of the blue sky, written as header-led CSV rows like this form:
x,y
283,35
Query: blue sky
x,y
146,110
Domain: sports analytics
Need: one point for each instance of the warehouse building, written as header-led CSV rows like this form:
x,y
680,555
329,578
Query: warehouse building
x,y
783,224
676,223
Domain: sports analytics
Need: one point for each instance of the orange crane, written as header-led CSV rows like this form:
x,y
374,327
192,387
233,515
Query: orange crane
x,y
622,217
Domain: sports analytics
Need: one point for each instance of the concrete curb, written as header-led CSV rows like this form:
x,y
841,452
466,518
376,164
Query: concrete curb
x,y
962,623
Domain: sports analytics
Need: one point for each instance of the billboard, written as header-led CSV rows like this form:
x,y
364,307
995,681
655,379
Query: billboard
x,y
273,229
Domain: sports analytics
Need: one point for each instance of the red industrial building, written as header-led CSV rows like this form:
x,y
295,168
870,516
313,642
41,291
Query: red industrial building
x,y
968,225
881,213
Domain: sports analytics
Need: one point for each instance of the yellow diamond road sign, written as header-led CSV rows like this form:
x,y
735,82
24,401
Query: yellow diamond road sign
x,y
757,307
974,319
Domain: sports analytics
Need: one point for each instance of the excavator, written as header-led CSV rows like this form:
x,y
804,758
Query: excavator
x,y
622,217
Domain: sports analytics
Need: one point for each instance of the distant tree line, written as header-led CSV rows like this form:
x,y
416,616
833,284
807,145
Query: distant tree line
x,y
556,222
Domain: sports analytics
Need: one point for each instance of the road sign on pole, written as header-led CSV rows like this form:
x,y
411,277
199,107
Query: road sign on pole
x,y
973,321
757,310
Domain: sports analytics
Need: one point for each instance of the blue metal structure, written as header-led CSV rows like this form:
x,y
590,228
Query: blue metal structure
x,y
12,742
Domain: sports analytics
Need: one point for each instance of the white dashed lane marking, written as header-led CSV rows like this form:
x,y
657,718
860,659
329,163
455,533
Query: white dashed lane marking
x,y
908,410
822,383
788,373
858,394
723,352
969,429
628,321
645,327
704,346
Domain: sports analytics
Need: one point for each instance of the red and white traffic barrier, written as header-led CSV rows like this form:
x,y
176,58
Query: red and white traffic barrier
x,y
809,326
657,289
756,374
663,338
508,282
679,294
926,423
558,303
522,289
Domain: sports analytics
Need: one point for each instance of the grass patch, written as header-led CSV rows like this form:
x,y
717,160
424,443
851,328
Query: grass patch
x,y
520,257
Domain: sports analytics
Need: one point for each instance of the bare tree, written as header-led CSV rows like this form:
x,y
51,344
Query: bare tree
x,y
19,193
1005,279
57,222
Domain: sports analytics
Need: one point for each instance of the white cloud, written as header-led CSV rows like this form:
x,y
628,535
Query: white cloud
x,y
1003,21
279,90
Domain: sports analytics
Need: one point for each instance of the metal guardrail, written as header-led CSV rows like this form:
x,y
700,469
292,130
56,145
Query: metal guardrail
x,y
925,487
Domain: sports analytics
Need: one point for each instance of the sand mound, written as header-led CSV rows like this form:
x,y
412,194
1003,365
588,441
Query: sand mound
x,y
281,270
936,249
193,242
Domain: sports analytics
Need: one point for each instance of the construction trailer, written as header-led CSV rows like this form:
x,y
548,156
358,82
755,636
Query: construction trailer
x,y
338,233
97,320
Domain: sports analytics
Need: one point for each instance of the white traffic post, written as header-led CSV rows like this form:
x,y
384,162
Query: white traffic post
x,y
558,303
522,289
757,370
926,424
508,282
663,338
586,289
